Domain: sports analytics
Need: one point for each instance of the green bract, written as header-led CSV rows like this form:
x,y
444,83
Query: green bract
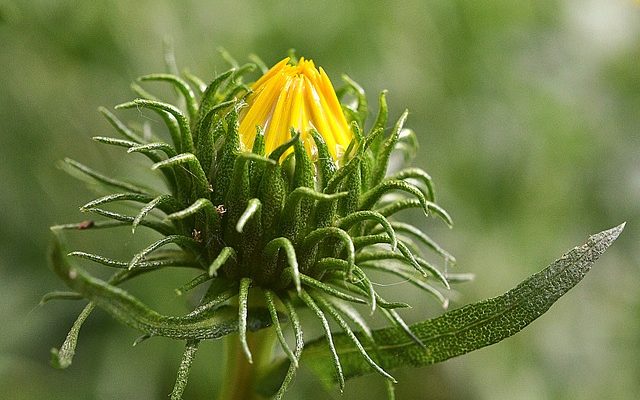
x,y
300,232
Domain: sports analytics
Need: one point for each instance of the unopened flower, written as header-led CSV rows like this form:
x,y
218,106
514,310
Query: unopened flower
x,y
299,97
277,190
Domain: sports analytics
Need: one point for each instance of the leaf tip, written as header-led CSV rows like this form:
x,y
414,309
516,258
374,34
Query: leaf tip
x,y
607,237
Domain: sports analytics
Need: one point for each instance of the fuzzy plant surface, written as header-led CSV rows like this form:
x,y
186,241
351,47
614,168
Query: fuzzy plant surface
x,y
278,199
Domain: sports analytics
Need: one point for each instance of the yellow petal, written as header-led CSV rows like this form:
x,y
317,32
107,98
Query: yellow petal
x,y
295,96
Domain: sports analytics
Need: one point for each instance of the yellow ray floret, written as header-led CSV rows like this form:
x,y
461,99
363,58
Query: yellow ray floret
x,y
299,97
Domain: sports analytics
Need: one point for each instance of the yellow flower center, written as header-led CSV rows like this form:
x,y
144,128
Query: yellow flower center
x,y
299,97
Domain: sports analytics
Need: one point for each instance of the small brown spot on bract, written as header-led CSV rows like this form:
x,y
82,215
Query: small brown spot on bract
x,y
86,224
221,209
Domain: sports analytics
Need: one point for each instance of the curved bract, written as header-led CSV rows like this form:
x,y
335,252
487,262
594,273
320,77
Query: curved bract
x,y
274,191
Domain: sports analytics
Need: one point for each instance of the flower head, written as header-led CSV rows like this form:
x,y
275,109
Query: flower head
x,y
297,96
297,231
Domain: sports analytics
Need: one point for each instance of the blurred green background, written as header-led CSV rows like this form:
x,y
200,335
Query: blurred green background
x,y
528,114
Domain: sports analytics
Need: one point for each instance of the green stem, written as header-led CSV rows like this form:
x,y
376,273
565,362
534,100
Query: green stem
x,y
240,377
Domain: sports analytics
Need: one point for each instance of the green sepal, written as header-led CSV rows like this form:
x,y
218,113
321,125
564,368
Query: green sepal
x,y
225,254
327,307
243,311
163,202
186,140
230,149
205,142
127,144
141,92
381,121
335,359
152,263
256,170
353,185
120,127
182,377
198,178
304,170
195,81
250,225
383,154
326,166
160,227
271,253
371,197
137,197
89,175
342,173
419,175
272,193
277,153
362,109
291,213
209,99
270,300
407,145
193,283
364,215
412,278
220,290
236,197
184,242
313,239
212,220
59,295
182,86
150,147
253,207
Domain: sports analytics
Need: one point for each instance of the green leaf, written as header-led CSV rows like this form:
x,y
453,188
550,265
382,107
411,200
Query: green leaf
x,y
61,358
130,311
465,329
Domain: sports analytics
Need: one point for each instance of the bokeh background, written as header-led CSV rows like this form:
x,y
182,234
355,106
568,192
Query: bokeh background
x,y
528,114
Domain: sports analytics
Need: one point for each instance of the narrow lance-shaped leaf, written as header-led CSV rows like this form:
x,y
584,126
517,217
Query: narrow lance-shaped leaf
x,y
61,358
468,328
130,311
